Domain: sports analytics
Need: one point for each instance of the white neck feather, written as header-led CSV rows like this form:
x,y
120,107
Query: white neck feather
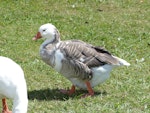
x,y
48,41
53,40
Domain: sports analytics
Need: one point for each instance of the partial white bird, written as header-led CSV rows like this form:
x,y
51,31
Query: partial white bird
x,y
13,86
83,64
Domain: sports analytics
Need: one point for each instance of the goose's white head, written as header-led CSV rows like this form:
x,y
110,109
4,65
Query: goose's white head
x,y
47,31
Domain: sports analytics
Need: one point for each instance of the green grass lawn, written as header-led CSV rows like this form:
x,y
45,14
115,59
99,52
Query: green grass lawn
x,y
121,26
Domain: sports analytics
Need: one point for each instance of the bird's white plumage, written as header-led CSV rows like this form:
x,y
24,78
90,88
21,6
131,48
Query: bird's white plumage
x,y
13,84
58,60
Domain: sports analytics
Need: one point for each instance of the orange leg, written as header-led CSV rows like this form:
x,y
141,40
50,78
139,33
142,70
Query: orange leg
x,y
5,107
69,92
89,88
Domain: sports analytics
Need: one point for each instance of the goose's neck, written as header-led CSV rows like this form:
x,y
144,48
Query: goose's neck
x,y
54,40
46,42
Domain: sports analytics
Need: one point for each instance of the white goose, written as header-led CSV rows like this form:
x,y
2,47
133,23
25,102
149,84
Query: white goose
x,y
83,64
12,85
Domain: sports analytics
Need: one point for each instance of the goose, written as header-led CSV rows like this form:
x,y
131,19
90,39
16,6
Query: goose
x,y
13,86
83,64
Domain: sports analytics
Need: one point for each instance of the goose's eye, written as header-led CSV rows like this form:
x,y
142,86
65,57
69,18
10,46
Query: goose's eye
x,y
44,30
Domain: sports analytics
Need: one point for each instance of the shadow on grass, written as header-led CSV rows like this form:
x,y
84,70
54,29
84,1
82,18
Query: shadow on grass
x,y
55,94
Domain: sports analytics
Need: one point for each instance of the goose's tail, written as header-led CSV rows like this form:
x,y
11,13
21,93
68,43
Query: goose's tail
x,y
122,62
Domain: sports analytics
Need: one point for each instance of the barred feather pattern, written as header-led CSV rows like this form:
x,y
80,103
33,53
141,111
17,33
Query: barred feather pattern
x,y
79,58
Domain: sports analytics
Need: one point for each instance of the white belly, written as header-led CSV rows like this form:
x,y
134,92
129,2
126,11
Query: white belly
x,y
100,75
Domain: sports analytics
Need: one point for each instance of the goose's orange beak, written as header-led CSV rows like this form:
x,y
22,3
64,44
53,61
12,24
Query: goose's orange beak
x,y
37,36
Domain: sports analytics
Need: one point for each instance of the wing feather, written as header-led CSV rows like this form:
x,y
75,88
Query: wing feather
x,y
90,55
80,57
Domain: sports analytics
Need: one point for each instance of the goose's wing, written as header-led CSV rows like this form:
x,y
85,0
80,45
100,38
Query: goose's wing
x,y
80,57
88,54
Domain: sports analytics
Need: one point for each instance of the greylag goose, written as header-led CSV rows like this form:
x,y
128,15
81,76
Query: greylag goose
x,y
83,64
12,85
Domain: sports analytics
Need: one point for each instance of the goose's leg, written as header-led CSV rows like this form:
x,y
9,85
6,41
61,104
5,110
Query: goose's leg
x,y
69,92
89,88
5,107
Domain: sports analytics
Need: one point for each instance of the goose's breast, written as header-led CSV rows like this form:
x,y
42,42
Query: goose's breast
x,y
58,57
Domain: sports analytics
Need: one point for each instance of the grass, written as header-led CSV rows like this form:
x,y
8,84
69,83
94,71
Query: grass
x,y
120,26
